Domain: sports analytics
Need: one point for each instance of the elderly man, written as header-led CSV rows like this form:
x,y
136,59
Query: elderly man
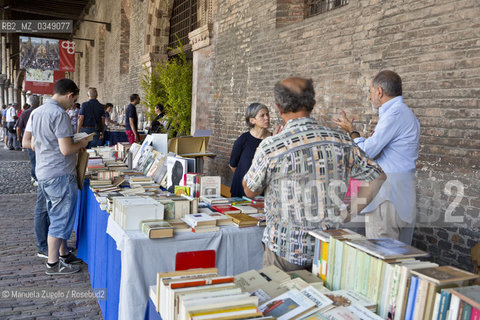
x,y
394,146
91,118
300,168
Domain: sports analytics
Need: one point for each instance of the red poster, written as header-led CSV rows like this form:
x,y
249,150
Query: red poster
x,y
37,87
67,55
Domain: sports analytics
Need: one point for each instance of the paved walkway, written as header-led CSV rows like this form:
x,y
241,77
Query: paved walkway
x,y
26,292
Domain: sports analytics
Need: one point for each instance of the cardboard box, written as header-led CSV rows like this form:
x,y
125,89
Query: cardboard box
x,y
188,146
82,162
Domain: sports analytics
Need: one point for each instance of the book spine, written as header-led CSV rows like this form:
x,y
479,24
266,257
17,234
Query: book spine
x,y
467,312
475,314
324,261
445,306
411,299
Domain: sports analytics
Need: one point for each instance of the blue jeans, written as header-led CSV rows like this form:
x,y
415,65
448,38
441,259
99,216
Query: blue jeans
x,y
31,154
41,221
61,200
96,138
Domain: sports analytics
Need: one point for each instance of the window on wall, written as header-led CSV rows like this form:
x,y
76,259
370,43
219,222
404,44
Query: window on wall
x,y
183,21
315,7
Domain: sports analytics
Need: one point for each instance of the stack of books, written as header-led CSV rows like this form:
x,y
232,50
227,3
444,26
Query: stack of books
x,y
243,220
201,222
201,294
156,229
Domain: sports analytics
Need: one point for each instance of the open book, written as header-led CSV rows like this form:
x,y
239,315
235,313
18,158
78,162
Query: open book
x,y
82,135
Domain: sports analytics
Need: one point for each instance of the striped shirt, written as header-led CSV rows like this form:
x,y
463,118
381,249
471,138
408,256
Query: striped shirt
x,y
304,171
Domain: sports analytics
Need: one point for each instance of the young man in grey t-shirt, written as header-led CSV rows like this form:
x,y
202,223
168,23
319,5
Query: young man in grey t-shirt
x,y
49,133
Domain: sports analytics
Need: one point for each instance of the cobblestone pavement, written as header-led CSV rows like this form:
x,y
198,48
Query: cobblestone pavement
x,y
26,292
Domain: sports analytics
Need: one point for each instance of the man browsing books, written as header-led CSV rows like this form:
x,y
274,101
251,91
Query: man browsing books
x,y
298,168
49,133
394,146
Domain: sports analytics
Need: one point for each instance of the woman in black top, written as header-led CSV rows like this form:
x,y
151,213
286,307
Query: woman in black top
x,y
258,119
157,125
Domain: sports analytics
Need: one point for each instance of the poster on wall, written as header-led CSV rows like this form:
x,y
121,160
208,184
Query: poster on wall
x,y
43,87
45,61
39,53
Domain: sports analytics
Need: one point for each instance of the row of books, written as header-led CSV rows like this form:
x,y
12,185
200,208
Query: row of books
x,y
268,293
386,267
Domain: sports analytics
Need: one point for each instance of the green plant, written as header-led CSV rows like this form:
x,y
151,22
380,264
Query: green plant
x,y
170,83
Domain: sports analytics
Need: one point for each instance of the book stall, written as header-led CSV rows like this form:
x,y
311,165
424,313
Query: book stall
x,y
129,226
143,204
353,278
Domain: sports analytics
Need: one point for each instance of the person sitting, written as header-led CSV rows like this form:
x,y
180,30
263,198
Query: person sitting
x,y
258,119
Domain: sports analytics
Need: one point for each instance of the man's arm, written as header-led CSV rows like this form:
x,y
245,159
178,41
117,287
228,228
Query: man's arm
x,y
249,193
67,147
80,123
366,193
27,141
102,125
19,133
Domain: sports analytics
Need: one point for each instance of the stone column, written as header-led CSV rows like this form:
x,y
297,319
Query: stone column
x,y
200,40
4,56
24,98
10,94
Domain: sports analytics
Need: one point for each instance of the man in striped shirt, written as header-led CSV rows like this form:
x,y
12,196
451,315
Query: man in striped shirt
x,y
304,171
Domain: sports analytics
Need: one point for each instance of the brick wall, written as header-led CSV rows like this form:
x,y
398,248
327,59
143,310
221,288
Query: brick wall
x,y
433,45
112,50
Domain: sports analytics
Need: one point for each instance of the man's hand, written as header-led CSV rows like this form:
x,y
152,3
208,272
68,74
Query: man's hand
x,y
344,123
137,137
83,143
278,129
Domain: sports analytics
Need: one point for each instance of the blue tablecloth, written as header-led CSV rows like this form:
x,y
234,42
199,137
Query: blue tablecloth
x,y
126,275
116,136
96,248
150,312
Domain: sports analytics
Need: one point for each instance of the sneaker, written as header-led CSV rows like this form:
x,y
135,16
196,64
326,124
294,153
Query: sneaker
x,y
35,183
71,259
42,254
61,268
32,179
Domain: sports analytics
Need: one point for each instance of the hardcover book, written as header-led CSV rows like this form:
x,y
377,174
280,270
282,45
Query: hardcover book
x,y
386,249
444,275
155,229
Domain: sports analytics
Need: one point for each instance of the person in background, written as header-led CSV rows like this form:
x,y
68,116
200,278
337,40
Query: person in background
x,y
131,119
73,114
108,122
24,107
258,120
4,126
296,168
11,117
394,145
34,101
91,118
159,125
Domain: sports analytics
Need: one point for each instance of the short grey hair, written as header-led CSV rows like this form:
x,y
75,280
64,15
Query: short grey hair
x,y
34,100
389,81
290,101
252,112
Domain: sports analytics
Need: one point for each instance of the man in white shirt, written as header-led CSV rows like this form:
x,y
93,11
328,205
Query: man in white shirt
x,y
11,118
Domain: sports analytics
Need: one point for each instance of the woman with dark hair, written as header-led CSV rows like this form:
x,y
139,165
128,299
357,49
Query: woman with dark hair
x,y
158,125
258,119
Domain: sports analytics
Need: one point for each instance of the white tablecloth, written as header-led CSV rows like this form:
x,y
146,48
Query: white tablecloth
x,y
237,250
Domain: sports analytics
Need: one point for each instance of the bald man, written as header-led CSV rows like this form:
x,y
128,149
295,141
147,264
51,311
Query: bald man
x,y
91,118
300,169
